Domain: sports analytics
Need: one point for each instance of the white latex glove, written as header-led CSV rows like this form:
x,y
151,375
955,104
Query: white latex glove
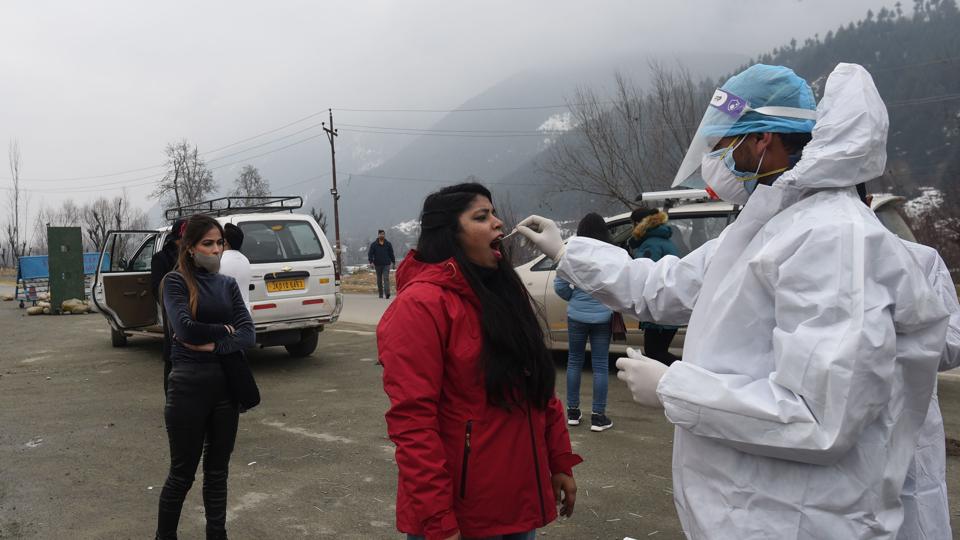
x,y
545,234
642,376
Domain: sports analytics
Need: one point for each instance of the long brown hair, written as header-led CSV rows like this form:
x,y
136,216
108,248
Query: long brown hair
x,y
193,232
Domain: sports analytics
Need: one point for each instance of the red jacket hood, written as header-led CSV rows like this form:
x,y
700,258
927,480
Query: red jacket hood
x,y
446,274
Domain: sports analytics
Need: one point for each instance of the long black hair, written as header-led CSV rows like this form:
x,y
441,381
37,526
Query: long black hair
x,y
594,226
517,365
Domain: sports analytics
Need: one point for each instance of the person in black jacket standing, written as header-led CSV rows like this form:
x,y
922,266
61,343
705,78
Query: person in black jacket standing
x,y
161,264
380,255
211,327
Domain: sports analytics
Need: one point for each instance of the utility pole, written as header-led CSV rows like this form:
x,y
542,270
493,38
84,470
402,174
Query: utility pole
x,y
331,133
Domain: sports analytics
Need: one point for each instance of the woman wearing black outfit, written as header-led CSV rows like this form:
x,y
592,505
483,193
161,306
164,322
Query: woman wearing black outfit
x,y
210,325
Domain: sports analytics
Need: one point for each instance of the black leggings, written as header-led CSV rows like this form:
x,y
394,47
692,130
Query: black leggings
x,y
656,344
202,420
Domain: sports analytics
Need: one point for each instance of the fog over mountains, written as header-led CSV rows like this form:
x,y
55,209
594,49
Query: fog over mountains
x,y
495,136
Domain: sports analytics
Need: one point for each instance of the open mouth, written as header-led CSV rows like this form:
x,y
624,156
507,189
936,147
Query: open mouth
x,y
495,246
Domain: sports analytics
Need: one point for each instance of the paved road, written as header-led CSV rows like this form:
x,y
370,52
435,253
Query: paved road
x,y
363,308
84,452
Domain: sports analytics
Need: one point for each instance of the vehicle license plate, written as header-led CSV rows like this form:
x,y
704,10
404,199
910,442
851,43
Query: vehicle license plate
x,y
284,285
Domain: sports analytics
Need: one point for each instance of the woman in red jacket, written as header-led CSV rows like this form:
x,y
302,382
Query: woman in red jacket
x,y
482,443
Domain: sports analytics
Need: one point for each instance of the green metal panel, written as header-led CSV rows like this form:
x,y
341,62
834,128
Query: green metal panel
x,y
65,254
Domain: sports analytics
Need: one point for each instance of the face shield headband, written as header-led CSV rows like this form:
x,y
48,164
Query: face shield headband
x,y
723,113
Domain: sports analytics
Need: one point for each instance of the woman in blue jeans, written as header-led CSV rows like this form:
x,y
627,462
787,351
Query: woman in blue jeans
x,y
587,319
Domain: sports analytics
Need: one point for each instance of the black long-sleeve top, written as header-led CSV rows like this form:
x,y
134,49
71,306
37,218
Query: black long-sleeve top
x,y
219,304
161,264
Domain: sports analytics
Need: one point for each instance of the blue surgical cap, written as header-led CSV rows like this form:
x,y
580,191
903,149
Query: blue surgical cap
x,y
770,86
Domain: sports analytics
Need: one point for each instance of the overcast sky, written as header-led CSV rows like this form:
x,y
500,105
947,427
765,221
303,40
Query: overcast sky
x,y
96,87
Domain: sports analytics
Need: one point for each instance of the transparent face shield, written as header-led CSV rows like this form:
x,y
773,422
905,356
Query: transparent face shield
x,y
724,111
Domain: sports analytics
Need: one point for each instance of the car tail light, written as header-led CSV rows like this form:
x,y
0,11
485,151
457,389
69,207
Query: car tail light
x,y
313,301
264,306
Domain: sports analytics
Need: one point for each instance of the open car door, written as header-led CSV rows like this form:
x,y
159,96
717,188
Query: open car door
x,y
121,288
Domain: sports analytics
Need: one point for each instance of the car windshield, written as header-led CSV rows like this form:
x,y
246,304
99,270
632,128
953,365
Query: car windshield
x,y
280,241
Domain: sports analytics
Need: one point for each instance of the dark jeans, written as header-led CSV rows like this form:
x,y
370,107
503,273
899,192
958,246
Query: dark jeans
x,y
383,280
202,420
656,344
529,535
599,336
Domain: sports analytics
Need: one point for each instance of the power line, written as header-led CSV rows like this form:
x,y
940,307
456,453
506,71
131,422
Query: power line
x,y
429,134
924,100
301,141
308,128
309,116
207,152
919,64
126,183
461,110
385,130
431,130
434,180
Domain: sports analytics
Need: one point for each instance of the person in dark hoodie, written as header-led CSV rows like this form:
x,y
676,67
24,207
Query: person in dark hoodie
x,y
651,240
161,264
481,441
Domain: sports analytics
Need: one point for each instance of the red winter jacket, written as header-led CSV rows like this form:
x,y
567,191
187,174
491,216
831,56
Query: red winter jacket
x,y
465,465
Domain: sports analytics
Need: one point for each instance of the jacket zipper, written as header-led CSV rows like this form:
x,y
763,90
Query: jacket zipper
x,y
466,460
536,465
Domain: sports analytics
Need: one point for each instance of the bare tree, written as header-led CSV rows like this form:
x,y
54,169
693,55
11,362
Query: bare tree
x,y
319,217
187,180
632,143
96,221
67,215
16,243
250,184
103,215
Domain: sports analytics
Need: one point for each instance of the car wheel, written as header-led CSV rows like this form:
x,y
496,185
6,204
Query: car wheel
x,y
117,338
306,345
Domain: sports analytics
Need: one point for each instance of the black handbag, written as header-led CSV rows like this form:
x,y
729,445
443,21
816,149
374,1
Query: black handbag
x,y
240,381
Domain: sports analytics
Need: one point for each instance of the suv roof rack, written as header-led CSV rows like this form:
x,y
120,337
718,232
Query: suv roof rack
x,y
225,206
675,195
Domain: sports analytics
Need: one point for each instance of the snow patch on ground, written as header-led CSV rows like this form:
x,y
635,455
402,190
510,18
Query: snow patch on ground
x,y
929,199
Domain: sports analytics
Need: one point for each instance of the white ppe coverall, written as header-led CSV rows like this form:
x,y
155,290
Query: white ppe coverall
x,y
812,347
926,512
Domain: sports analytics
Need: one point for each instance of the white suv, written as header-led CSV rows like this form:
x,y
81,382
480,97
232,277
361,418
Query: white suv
x,y
294,283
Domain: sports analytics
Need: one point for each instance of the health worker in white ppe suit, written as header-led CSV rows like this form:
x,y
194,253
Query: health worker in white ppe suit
x,y
926,507
813,336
